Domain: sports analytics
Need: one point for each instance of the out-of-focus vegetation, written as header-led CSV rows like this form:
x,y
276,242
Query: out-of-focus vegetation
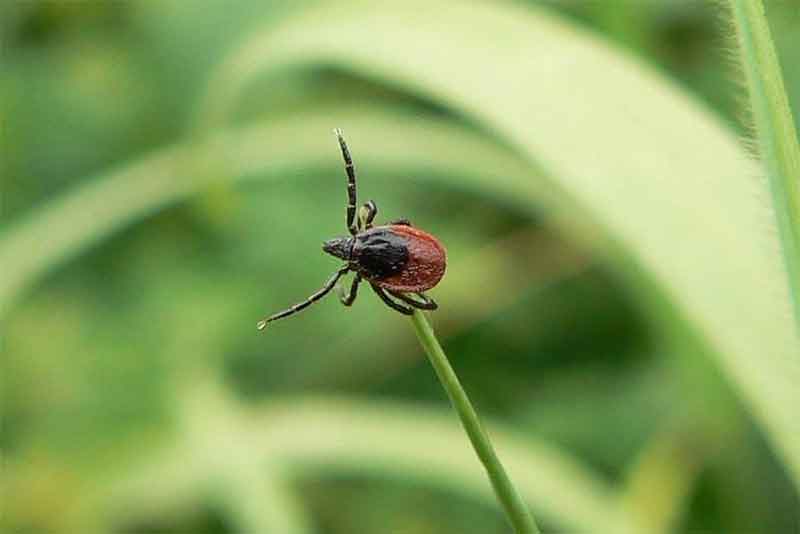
x,y
615,301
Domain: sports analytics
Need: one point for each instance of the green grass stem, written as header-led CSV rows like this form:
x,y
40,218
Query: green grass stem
x,y
515,508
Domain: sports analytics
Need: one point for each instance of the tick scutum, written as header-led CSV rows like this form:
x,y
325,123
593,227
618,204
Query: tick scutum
x,y
380,253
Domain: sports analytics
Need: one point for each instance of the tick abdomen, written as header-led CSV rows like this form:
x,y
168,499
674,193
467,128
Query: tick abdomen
x,y
401,258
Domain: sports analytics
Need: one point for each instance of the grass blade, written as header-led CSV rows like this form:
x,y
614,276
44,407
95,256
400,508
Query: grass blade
x,y
774,128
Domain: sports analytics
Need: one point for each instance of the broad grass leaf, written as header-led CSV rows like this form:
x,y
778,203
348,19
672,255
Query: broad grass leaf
x,y
635,165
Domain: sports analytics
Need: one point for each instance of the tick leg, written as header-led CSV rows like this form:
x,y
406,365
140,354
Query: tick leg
x,y
351,183
405,310
308,302
400,222
348,299
426,303
367,214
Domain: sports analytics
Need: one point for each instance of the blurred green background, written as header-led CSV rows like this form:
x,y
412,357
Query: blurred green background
x,y
137,395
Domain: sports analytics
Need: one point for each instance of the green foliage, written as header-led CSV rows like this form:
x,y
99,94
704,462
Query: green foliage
x,y
616,299
630,190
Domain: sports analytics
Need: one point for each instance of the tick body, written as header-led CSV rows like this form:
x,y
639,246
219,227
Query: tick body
x,y
398,261
396,257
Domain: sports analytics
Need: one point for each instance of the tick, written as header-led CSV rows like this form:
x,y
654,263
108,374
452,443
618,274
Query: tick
x,y
397,260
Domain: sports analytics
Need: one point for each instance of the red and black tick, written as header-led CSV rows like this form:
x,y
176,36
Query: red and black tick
x,y
396,259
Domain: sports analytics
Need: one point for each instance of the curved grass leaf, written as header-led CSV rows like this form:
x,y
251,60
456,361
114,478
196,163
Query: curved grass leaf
x,y
312,436
192,471
65,227
774,126
633,163
340,435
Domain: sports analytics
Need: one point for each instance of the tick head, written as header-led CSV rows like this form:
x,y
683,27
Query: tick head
x,y
338,246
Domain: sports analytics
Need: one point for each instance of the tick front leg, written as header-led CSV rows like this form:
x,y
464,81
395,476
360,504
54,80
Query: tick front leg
x,y
350,170
367,214
425,302
348,299
405,310
308,302
400,222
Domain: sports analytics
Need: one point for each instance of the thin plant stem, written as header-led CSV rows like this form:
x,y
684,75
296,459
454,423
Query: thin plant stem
x,y
515,508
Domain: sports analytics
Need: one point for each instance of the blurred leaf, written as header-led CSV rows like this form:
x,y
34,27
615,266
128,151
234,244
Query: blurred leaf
x,y
309,436
662,477
66,226
251,499
420,443
670,194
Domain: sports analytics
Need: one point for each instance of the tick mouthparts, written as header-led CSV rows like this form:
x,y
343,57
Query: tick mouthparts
x,y
336,247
